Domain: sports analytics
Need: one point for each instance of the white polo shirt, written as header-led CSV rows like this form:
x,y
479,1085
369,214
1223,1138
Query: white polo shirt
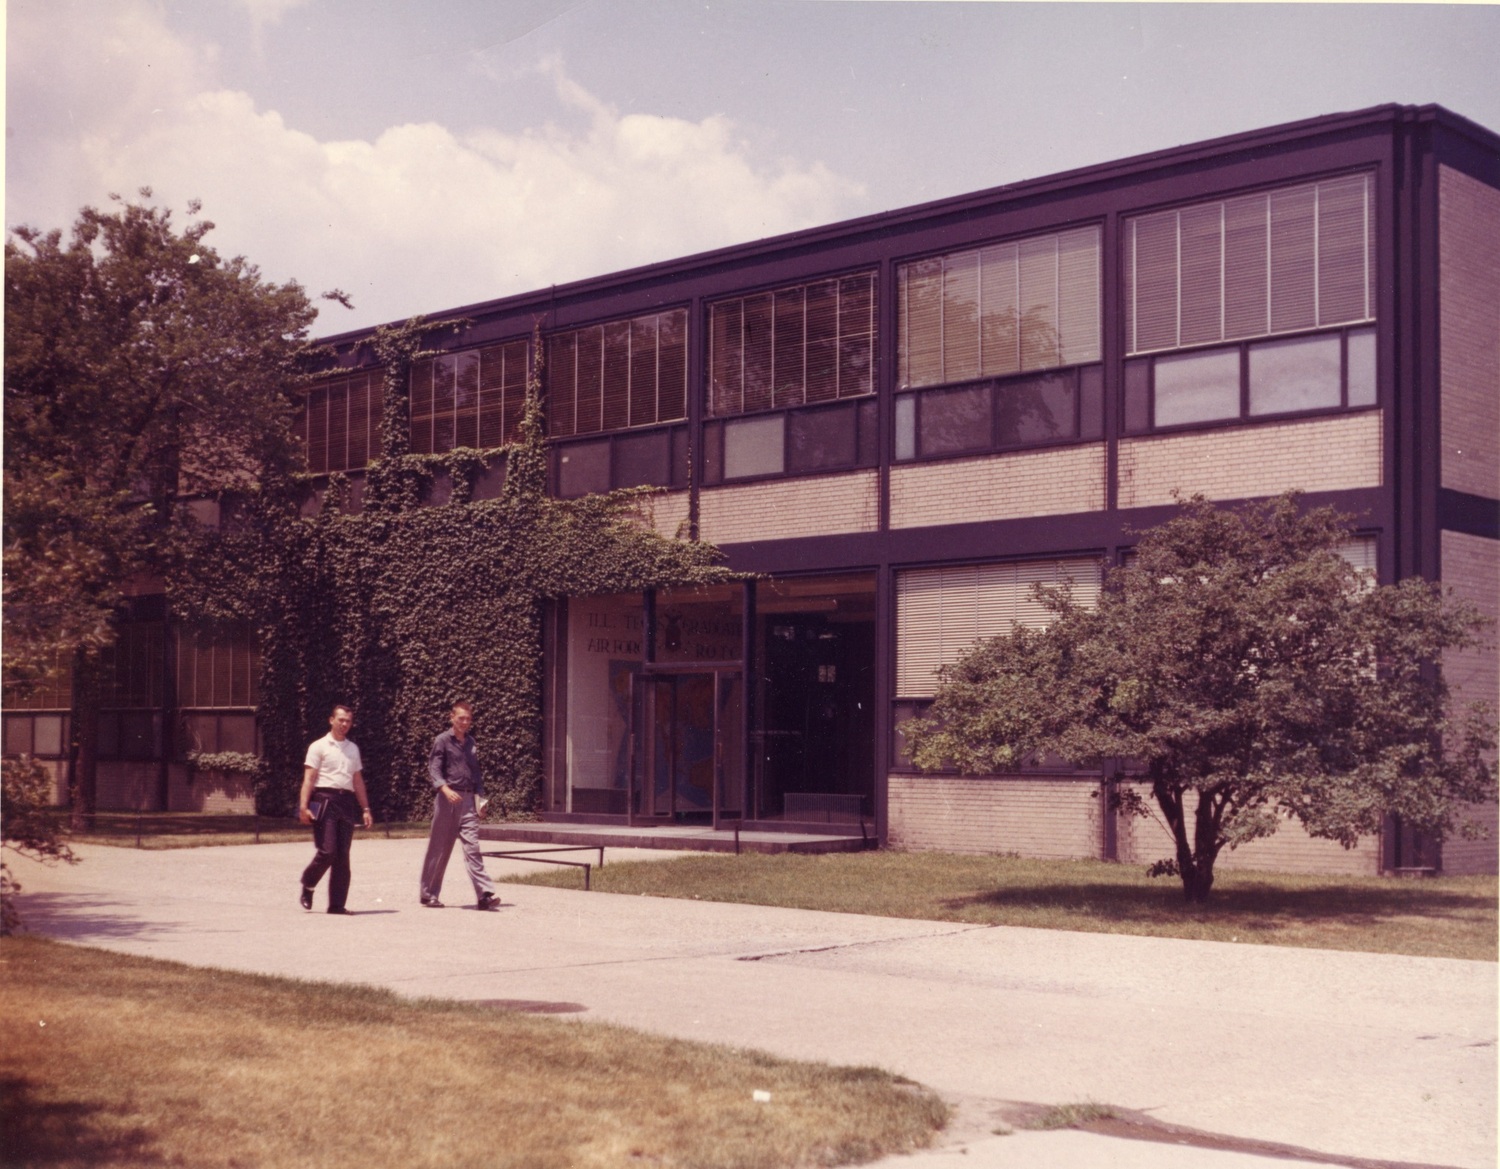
x,y
336,763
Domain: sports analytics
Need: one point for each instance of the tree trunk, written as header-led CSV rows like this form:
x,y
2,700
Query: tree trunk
x,y
1196,882
1195,865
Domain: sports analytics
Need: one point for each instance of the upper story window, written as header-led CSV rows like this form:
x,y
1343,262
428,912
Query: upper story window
x,y
1006,309
792,358
472,398
1273,294
618,375
794,346
1012,333
1274,262
341,422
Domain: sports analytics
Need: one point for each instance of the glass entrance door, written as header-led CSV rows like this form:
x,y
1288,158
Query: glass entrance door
x,y
688,756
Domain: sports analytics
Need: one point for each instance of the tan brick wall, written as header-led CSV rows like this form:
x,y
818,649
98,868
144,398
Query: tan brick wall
x,y
210,792
1469,332
1289,850
820,505
1244,462
667,513
998,487
1471,568
1031,817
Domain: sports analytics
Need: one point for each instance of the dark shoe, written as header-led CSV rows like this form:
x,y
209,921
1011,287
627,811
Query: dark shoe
x,y
343,911
431,903
488,901
306,897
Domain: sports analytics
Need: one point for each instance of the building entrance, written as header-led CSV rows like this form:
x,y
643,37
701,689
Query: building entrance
x,y
748,701
688,761
815,757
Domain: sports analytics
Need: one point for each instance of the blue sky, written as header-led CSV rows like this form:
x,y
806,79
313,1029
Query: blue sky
x,y
423,155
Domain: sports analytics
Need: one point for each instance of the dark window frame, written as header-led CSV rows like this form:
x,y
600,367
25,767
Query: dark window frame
x,y
1085,429
677,470
776,345
633,420
863,410
1244,416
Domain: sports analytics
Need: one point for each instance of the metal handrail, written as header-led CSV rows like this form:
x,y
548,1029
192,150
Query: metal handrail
x,y
527,854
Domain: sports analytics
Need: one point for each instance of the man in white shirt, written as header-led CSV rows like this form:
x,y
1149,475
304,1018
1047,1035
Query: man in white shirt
x,y
333,791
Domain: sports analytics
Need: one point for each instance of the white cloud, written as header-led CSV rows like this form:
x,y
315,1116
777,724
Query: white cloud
x,y
421,218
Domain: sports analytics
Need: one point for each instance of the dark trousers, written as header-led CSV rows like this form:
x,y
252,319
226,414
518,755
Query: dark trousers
x,y
332,836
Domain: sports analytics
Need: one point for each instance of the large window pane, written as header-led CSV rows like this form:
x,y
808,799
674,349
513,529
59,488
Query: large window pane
x,y
1294,375
1271,262
999,310
754,446
1198,387
953,421
793,346
821,438
610,377
643,460
1038,409
583,469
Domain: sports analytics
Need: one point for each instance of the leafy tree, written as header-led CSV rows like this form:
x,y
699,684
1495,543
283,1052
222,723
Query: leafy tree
x,y
1250,673
27,829
141,369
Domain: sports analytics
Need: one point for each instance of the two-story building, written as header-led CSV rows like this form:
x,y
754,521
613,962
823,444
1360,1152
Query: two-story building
x,y
901,422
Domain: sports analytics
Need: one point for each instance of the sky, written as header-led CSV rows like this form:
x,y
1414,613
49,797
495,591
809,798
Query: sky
x,y
423,155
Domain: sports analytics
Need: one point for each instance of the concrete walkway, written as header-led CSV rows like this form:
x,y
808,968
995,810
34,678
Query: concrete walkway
x,y
1350,1056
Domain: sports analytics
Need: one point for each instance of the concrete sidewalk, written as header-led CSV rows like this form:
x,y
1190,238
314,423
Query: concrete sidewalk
x,y
1386,1058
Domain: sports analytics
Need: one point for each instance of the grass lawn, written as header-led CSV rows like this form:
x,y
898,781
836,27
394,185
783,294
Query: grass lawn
x,y
196,829
112,1060
1447,917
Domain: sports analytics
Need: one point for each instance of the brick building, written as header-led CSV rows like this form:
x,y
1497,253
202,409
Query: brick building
x,y
901,422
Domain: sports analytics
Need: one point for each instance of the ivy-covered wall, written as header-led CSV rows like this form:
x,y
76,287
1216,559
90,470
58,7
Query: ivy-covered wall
x,y
402,609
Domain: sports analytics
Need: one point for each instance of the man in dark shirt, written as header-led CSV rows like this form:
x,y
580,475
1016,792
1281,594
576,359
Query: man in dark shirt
x,y
454,771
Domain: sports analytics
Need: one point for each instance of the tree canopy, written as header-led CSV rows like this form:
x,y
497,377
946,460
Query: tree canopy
x,y
140,368
1247,673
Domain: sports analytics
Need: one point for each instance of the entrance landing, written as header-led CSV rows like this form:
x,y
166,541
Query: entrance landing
x,y
689,838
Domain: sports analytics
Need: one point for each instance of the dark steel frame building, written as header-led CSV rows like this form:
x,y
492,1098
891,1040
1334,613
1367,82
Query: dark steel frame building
x,y
902,420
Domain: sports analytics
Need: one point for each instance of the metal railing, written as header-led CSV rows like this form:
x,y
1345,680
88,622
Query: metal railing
x,y
530,854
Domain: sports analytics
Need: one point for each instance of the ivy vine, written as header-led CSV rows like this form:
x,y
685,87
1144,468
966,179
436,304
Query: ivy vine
x,y
403,608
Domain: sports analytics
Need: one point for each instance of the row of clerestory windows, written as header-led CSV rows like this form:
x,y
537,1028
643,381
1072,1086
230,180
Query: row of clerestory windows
x,y
1233,309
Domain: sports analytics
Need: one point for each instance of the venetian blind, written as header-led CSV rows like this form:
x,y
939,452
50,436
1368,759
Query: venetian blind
x,y
471,398
1275,262
341,423
794,346
618,375
942,612
1000,310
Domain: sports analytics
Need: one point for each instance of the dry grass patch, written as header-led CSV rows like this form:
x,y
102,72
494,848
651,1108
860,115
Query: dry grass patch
x,y
111,1060
1445,917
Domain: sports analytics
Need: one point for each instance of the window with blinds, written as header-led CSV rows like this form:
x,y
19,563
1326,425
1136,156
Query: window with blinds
x,y
472,398
1007,309
1278,261
341,422
617,375
942,612
793,346
217,670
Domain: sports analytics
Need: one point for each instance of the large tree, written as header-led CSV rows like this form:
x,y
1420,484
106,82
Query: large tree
x,y
1248,673
142,370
